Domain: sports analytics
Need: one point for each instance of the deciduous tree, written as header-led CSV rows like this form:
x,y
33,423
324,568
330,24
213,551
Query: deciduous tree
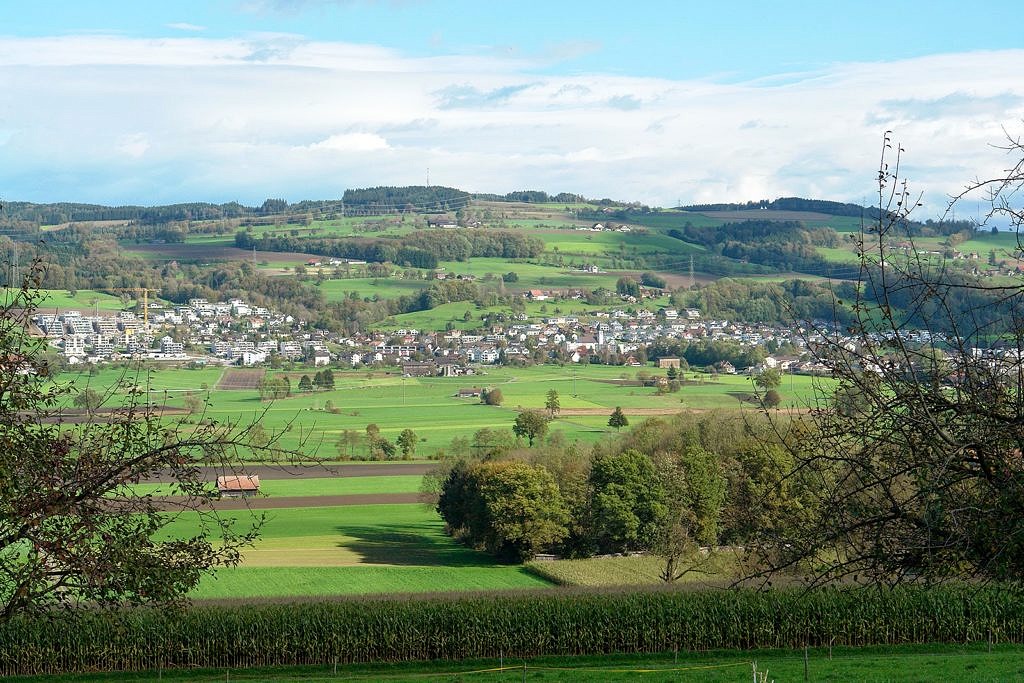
x,y
73,528
530,425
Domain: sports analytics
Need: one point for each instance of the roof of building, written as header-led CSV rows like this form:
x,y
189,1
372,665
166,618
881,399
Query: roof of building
x,y
241,482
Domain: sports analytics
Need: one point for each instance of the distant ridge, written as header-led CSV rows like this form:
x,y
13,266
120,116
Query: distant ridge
x,y
791,204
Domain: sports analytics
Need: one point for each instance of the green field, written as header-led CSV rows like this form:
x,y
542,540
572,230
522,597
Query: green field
x,y
917,663
429,407
640,570
85,300
385,288
316,486
355,549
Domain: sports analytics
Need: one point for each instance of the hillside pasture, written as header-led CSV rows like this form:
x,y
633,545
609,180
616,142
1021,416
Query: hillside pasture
x,y
385,288
85,300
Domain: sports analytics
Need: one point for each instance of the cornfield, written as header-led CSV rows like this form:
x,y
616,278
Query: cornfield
x,y
520,625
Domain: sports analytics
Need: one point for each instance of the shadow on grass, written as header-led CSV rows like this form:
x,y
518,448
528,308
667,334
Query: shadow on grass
x,y
410,544
744,397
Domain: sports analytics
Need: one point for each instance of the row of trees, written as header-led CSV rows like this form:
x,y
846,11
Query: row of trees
x,y
324,379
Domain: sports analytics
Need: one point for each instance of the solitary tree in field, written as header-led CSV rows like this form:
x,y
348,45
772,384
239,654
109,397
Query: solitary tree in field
x,y
771,399
406,442
530,425
193,404
552,404
618,419
90,399
491,397
305,384
769,378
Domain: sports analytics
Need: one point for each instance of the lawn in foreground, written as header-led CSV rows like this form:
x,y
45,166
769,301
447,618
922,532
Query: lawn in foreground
x,y
355,549
937,662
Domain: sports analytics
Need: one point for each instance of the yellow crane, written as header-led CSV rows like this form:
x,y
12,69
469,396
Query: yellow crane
x,y
135,290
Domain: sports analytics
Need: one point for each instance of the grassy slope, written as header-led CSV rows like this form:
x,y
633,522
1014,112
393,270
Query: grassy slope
x,y
61,300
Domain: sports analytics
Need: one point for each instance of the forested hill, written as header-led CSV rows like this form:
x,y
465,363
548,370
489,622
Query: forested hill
x,y
788,204
411,198
66,212
830,208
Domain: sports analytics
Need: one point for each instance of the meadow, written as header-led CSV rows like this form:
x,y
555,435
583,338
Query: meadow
x,y
429,406
327,549
85,300
354,549
314,486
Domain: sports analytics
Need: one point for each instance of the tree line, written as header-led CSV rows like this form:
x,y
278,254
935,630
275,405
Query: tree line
x,y
667,487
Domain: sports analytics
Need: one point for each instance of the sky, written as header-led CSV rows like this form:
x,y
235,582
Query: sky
x,y
128,102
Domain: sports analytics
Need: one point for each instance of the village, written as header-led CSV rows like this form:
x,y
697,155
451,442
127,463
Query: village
x,y
236,333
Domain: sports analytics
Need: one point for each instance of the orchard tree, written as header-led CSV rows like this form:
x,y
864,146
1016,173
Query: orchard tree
x,y
918,458
89,398
769,378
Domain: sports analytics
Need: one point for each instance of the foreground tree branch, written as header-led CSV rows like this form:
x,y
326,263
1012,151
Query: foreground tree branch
x,y
917,457
75,528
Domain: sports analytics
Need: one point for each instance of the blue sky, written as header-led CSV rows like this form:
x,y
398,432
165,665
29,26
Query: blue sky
x,y
146,102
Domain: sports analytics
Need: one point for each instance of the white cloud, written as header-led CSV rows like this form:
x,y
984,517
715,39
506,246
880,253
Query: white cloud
x,y
185,26
133,146
276,114
351,142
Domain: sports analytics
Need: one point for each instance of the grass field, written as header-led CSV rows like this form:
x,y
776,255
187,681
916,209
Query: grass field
x,y
385,288
532,275
352,550
316,486
912,663
85,300
428,405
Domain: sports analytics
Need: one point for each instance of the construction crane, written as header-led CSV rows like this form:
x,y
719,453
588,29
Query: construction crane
x,y
135,290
